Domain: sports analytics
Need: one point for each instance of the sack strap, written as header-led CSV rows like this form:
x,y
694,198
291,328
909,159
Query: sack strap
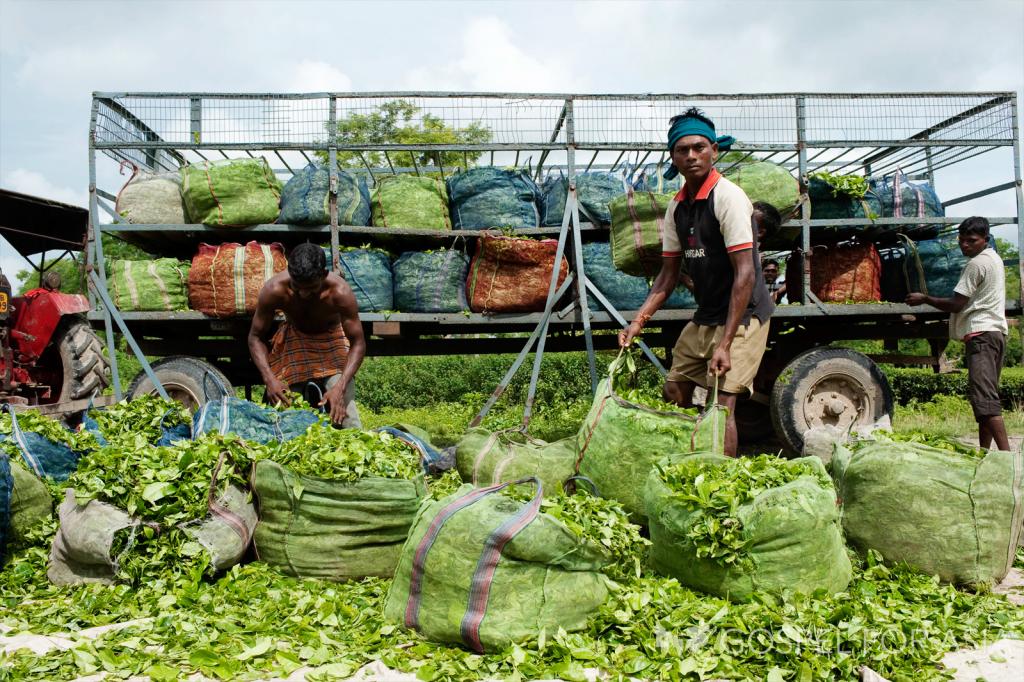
x,y
414,602
229,517
714,407
19,440
483,577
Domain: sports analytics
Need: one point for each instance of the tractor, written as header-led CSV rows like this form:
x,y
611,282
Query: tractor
x,y
50,357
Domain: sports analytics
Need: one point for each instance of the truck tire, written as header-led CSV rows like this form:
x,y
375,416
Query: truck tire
x,y
188,380
85,369
836,387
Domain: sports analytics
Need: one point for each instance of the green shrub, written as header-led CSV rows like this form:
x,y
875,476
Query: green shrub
x,y
922,385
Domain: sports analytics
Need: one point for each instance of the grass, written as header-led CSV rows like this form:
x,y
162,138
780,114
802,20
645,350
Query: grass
x,y
950,416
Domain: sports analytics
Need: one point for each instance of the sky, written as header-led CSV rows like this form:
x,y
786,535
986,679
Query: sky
x,y
54,54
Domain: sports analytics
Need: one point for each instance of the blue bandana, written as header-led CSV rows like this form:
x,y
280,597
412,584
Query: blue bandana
x,y
689,125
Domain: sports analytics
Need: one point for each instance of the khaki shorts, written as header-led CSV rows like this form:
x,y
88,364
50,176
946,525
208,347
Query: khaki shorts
x,y
692,354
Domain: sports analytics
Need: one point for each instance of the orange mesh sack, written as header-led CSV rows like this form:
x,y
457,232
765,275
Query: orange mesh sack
x,y
847,273
512,275
225,280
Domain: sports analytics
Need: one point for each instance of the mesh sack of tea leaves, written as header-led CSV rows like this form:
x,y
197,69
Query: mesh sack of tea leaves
x,y
132,511
337,503
939,507
485,567
738,527
628,429
484,458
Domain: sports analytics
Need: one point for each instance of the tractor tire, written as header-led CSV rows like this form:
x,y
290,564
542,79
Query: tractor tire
x,y
190,381
86,370
834,387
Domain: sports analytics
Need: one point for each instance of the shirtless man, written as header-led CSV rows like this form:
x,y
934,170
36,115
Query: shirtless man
x,y
320,340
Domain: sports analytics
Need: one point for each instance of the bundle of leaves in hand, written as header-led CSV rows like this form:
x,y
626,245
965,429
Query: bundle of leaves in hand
x,y
143,418
161,485
717,491
596,520
50,429
347,454
626,389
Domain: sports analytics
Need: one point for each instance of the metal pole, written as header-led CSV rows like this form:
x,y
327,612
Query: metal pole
x,y
805,210
332,166
1020,199
101,290
592,288
97,232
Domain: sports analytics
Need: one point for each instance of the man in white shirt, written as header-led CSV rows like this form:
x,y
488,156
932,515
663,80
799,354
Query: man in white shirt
x,y
978,319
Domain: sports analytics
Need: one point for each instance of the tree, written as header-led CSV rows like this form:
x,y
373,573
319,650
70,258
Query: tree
x,y
400,122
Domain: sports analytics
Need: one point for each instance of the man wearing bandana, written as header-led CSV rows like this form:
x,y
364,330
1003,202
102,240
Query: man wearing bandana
x,y
709,232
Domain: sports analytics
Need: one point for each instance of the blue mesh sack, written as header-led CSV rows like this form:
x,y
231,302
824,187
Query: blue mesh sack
x,y
901,198
942,263
650,180
6,492
486,197
431,281
305,199
250,421
681,299
624,292
368,272
43,457
594,190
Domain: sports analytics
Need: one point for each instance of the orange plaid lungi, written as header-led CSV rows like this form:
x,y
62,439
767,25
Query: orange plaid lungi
x,y
297,357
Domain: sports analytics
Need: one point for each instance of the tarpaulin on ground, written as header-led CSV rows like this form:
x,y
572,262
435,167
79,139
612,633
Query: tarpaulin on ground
x,y
431,281
225,280
488,197
510,275
256,423
231,192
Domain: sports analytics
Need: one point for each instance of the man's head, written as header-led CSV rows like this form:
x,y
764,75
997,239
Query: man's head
x,y
770,270
973,236
307,269
693,144
767,219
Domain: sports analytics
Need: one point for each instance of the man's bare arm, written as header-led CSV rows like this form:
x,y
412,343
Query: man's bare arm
x,y
946,305
353,328
739,298
259,330
664,284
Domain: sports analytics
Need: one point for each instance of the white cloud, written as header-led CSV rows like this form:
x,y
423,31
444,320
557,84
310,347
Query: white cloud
x,y
315,76
492,59
36,184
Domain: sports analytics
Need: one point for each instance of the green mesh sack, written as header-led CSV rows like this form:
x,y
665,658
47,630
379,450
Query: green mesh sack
x,y
231,193
941,512
484,570
766,181
485,458
789,535
637,231
160,284
620,441
410,201
317,528
30,501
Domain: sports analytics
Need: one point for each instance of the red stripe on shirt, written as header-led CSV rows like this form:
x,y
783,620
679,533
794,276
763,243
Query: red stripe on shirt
x,y
671,254
740,247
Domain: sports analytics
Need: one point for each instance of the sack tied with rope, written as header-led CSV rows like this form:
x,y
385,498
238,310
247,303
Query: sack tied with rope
x,y
486,458
231,192
512,275
431,281
225,280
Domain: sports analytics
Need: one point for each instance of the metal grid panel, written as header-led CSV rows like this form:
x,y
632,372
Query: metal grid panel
x,y
643,120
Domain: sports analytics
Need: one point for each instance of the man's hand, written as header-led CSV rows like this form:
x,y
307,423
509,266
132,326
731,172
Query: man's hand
x,y
335,401
721,362
916,299
277,393
627,335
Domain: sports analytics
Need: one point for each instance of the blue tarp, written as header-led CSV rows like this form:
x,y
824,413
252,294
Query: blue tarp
x,y
431,282
487,197
251,421
305,198
43,457
6,491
